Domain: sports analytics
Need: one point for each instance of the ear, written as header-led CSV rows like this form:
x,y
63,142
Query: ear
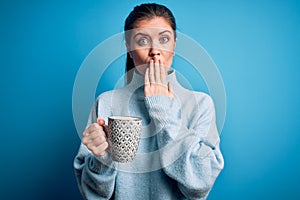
x,y
128,49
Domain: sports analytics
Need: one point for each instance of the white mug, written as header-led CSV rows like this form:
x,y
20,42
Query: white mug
x,y
124,136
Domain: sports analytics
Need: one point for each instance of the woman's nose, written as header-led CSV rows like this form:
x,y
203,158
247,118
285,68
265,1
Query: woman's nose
x,y
154,51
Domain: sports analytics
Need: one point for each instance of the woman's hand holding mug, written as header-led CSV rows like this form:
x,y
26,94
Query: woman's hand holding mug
x,y
94,138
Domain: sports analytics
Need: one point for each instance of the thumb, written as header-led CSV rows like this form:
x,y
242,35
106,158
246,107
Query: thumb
x,y
100,121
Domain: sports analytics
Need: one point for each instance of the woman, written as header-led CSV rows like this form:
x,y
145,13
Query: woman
x,y
179,117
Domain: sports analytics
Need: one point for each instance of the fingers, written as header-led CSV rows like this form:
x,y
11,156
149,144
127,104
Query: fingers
x,y
98,150
100,121
157,72
92,135
94,138
155,79
147,80
147,83
151,72
94,142
94,128
163,74
156,75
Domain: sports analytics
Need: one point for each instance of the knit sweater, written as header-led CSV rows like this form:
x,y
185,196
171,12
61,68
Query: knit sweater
x,y
178,155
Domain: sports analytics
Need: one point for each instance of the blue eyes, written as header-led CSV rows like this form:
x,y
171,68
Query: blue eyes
x,y
143,41
164,40
146,41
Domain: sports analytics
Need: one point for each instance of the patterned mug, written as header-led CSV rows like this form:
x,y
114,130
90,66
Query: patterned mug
x,y
124,136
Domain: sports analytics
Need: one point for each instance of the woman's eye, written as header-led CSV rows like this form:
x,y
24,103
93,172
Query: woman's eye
x,y
143,41
164,39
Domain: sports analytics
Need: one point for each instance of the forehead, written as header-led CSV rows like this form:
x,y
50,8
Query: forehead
x,y
152,24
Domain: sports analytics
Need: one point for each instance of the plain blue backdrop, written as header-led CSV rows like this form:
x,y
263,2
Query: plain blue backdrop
x,y
255,45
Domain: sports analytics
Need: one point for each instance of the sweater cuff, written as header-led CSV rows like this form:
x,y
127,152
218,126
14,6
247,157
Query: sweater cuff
x,y
97,163
158,99
158,106
101,164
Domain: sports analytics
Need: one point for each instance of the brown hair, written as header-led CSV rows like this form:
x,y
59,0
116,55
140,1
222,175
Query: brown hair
x,y
141,12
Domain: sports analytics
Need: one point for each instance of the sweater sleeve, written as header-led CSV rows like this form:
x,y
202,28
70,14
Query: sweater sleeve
x,y
193,146
95,174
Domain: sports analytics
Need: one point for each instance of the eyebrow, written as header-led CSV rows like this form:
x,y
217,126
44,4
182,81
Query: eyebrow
x,y
144,34
166,31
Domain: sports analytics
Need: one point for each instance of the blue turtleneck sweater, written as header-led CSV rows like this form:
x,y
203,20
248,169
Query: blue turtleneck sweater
x,y
178,156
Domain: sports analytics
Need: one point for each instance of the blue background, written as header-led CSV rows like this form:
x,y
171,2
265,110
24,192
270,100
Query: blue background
x,y
255,45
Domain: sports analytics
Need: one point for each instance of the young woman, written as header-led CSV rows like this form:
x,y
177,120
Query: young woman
x,y
180,123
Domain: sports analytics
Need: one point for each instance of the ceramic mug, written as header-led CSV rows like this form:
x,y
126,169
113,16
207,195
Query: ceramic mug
x,y
124,136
